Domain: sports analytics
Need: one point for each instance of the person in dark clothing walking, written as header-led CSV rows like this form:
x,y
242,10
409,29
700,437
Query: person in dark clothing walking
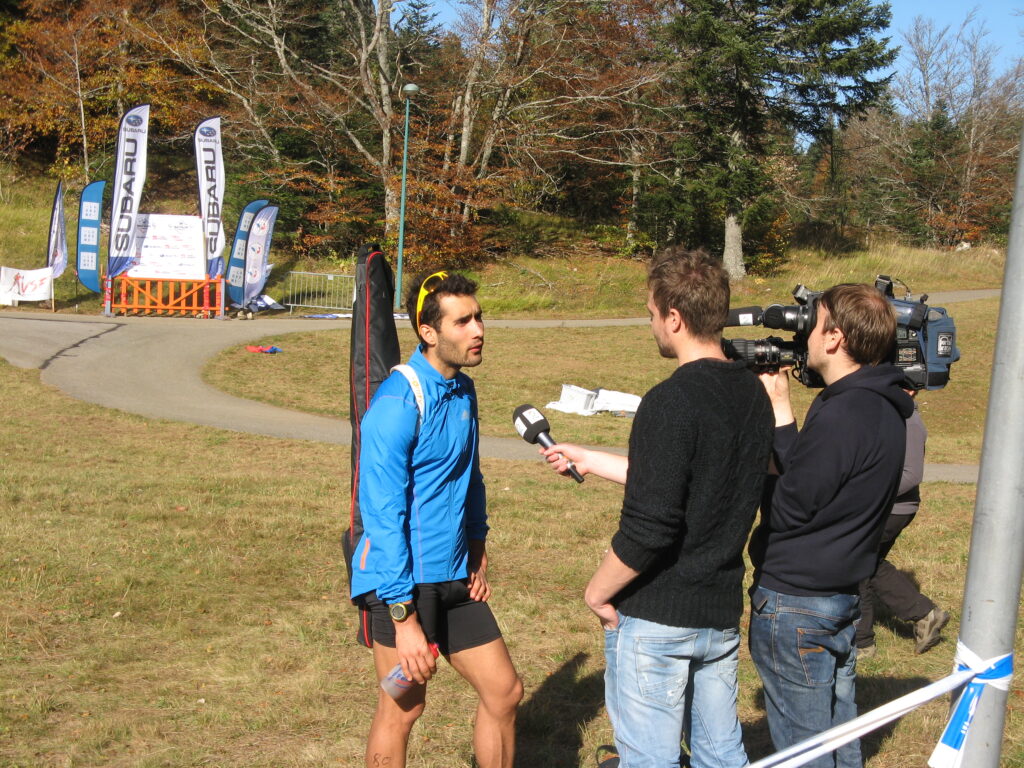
x,y
819,532
669,591
889,585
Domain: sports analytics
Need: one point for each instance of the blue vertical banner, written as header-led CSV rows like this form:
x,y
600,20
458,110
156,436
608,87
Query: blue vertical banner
x,y
257,251
210,172
90,213
57,247
236,262
129,178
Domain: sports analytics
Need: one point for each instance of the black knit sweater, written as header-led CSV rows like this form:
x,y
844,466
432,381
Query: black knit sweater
x,y
698,455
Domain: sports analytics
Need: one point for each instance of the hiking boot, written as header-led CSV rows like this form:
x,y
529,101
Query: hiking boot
x,y
926,630
866,652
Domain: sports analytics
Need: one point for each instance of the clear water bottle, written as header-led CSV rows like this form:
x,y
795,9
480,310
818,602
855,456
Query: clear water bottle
x,y
396,684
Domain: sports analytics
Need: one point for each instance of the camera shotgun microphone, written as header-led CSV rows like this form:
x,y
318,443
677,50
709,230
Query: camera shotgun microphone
x,y
534,428
741,316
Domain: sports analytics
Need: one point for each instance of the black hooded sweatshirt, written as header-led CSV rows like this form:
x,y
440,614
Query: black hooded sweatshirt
x,y
819,532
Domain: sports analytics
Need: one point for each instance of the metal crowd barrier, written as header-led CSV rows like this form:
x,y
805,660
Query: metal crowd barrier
x,y
319,291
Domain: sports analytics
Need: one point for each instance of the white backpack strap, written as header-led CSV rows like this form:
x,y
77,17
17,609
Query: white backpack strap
x,y
414,385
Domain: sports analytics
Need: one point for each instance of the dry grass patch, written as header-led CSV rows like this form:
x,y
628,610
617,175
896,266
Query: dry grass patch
x,y
586,285
925,270
521,365
173,597
530,365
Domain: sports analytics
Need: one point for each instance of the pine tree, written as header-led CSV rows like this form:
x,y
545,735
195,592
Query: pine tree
x,y
754,69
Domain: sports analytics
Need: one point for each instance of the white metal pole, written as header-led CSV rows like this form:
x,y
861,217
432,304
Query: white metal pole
x,y
996,561
409,90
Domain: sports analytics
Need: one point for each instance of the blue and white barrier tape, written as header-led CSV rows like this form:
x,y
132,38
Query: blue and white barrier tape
x,y
990,672
996,672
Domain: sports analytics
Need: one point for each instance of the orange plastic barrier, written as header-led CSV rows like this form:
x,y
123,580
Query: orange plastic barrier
x,y
142,295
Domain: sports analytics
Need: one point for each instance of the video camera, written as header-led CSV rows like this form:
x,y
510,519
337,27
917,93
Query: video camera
x,y
925,344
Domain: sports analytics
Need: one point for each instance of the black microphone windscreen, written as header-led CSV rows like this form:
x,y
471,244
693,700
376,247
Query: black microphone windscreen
x,y
529,422
744,316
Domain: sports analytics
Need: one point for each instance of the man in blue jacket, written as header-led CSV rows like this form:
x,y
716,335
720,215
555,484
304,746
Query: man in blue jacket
x,y
421,563
819,535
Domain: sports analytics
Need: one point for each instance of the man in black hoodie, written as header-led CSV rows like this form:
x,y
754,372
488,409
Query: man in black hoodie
x,y
819,533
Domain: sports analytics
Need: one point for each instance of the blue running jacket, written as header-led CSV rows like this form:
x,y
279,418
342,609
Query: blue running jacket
x,y
421,494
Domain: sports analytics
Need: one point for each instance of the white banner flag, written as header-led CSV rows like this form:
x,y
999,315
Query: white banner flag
x,y
210,170
57,249
129,177
257,249
25,285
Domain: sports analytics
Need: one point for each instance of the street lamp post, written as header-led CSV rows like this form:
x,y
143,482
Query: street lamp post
x,y
408,90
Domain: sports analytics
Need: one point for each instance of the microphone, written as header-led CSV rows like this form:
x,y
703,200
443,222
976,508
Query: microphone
x,y
534,428
744,316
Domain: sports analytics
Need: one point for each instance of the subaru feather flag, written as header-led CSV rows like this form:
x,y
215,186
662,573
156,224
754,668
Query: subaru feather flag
x,y
129,177
57,248
236,262
257,249
210,171
90,213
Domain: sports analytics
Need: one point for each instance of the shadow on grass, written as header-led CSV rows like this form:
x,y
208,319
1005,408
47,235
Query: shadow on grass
x,y
872,692
901,629
550,724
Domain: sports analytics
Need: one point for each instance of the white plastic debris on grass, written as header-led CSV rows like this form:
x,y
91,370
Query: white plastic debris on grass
x,y
587,402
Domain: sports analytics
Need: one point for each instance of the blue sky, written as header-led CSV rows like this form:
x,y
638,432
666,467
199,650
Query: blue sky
x,y
1004,28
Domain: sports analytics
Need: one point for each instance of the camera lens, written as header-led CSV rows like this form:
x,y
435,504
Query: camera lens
x,y
799,319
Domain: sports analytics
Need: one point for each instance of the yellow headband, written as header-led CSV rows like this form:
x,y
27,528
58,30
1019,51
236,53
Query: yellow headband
x,y
424,291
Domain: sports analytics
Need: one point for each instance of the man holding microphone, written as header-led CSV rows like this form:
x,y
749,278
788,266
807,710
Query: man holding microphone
x,y
668,592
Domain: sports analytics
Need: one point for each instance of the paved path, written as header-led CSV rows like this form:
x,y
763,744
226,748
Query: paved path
x,y
152,366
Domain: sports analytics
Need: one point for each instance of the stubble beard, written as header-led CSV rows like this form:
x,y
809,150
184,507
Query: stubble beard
x,y
457,358
663,349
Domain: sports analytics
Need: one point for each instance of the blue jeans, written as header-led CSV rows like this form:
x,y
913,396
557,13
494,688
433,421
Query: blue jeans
x,y
804,651
660,681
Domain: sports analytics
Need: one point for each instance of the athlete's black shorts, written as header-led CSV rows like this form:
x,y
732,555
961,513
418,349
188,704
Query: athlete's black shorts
x,y
448,615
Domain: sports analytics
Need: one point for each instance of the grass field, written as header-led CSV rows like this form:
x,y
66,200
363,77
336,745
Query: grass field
x,y
173,594
172,597
529,365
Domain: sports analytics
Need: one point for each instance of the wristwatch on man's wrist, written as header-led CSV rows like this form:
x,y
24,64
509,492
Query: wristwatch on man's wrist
x,y
401,611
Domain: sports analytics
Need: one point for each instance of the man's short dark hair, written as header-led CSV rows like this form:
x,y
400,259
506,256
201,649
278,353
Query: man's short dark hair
x,y
695,284
453,284
865,317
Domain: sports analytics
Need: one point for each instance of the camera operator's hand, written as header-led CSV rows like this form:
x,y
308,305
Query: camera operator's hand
x,y
776,384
